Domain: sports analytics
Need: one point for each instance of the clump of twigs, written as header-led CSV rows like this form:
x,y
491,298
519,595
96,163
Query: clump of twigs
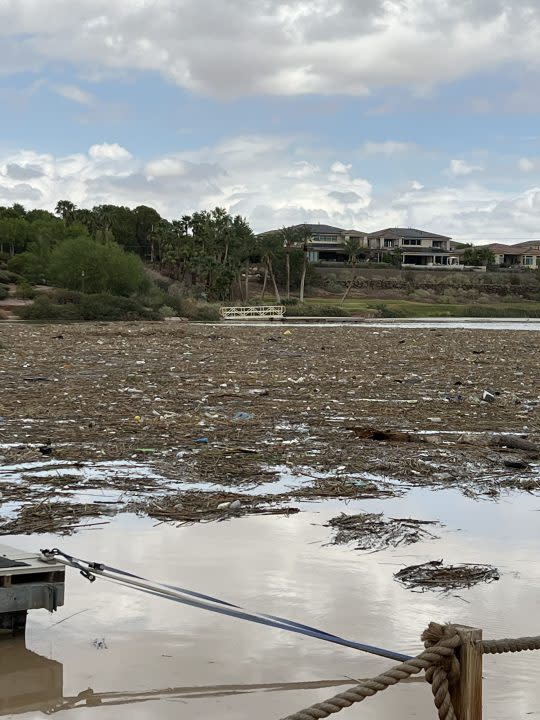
x,y
372,531
61,518
338,487
199,506
435,575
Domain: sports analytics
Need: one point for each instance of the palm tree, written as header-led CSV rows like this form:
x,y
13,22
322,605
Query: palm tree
x,y
304,236
270,243
66,210
289,236
87,218
352,245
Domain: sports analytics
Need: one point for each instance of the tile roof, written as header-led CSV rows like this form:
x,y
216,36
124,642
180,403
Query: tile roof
x,y
396,233
501,249
318,228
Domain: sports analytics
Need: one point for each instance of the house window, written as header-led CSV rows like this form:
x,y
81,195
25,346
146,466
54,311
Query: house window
x,y
412,241
528,260
437,243
389,243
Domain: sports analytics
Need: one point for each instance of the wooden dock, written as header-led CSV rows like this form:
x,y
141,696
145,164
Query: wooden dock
x,y
27,582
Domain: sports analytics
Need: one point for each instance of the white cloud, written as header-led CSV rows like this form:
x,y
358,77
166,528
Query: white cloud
x,y
340,168
389,147
460,168
165,167
526,165
273,181
302,169
74,93
275,47
109,151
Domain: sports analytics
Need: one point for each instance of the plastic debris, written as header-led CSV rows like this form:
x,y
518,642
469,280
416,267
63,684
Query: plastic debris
x,y
243,416
201,440
230,505
488,396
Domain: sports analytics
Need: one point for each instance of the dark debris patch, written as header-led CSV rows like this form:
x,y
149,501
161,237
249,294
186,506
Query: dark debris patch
x,y
434,575
372,531
345,487
61,518
197,506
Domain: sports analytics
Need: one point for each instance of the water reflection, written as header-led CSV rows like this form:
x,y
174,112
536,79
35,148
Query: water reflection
x,y
28,681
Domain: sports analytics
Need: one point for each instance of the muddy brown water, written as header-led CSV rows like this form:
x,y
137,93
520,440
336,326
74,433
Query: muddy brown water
x,y
157,659
120,654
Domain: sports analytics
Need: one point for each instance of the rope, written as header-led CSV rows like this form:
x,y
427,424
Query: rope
x,y
512,645
437,655
441,667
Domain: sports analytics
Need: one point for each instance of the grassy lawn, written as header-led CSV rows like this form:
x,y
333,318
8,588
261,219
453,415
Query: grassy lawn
x,y
407,308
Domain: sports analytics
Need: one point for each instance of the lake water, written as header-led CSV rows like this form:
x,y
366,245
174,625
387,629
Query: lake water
x,y
134,656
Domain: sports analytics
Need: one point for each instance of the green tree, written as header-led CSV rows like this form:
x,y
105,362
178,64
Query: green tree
x,y
13,234
123,272
29,266
144,220
88,266
478,256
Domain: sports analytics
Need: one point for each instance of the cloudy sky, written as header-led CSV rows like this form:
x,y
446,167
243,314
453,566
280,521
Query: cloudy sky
x,y
358,113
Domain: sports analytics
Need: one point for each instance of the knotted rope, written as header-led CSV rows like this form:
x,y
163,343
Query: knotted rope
x,y
441,642
443,674
439,662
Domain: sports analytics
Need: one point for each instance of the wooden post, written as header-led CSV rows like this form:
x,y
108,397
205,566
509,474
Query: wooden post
x,y
467,693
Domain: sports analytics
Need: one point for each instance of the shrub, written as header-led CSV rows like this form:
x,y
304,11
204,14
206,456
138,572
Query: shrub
x,y
7,277
384,311
87,308
154,298
65,297
316,311
25,291
42,309
166,311
509,311
290,301
111,307
4,292
199,312
29,266
333,286
421,294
